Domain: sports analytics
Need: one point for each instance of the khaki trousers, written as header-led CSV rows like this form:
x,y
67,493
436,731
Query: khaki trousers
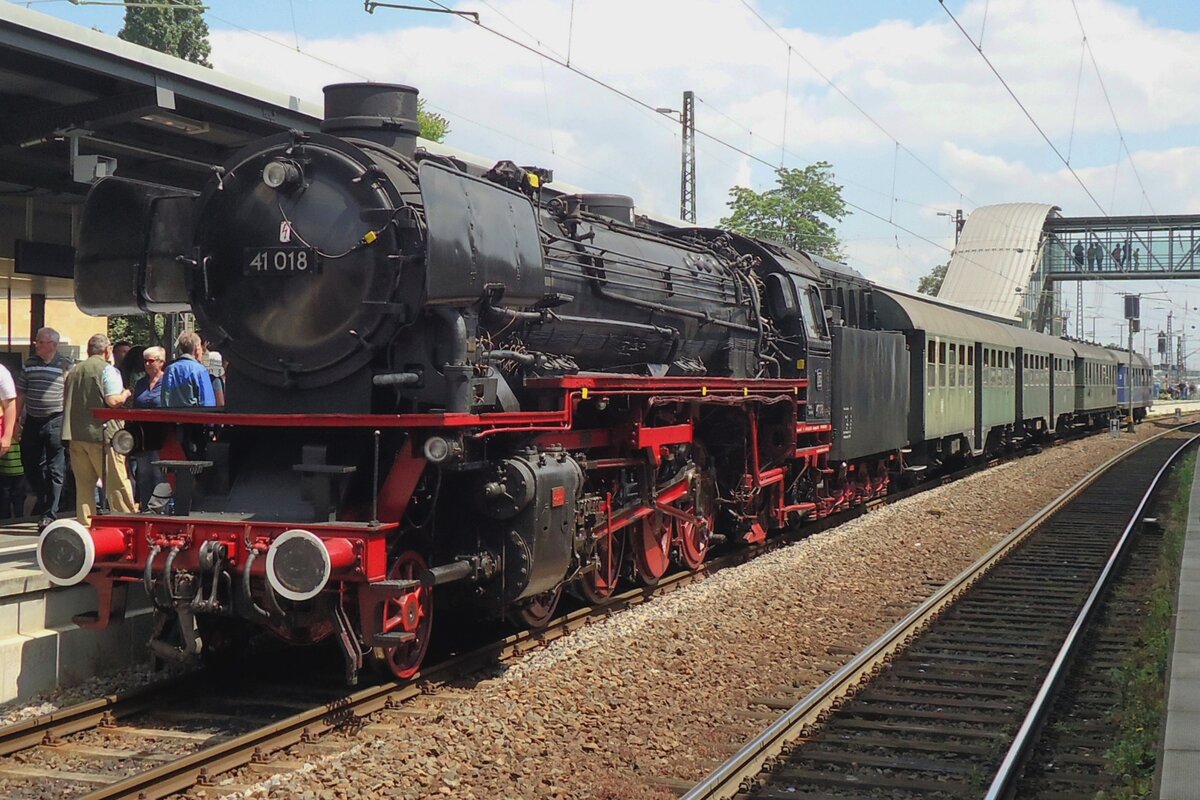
x,y
85,463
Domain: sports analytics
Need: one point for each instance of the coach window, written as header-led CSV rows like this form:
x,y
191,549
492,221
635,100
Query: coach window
x,y
962,365
931,364
942,381
952,366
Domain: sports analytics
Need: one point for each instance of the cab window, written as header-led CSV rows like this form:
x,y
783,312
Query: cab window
x,y
814,315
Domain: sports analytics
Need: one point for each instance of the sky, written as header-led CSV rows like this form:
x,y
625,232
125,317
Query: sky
x,y
893,95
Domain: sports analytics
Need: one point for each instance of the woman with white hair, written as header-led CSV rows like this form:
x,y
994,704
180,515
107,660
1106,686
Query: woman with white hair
x,y
147,393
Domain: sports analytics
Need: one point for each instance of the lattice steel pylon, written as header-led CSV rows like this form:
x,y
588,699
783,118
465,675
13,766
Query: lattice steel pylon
x,y
1078,309
687,167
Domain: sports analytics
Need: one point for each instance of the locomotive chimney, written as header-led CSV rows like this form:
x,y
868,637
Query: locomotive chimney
x,y
385,113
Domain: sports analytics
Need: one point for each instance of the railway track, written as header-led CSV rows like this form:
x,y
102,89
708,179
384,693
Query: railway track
x,y
947,703
167,737
106,748
1069,761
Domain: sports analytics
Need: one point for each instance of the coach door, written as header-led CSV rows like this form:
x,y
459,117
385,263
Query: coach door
x,y
980,391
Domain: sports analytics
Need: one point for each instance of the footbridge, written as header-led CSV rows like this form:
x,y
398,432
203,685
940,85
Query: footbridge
x,y
1121,248
1012,258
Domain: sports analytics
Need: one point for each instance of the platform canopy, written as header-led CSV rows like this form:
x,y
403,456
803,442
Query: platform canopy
x,y
163,119
998,252
77,104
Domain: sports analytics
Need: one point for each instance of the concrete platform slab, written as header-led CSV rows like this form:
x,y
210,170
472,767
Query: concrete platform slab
x,y
40,646
1189,603
1187,640
1179,775
1185,667
1184,697
1183,731
1182,782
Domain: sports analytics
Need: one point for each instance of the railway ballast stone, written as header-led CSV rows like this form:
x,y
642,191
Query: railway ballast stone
x,y
663,690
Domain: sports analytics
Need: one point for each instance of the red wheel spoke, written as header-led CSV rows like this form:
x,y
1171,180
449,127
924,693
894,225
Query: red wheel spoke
x,y
405,659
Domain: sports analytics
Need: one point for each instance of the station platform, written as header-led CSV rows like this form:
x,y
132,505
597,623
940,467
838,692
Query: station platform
x,y
1165,408
41,648
1179,776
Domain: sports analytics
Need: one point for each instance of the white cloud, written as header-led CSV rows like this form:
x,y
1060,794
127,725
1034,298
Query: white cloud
x,y
922,82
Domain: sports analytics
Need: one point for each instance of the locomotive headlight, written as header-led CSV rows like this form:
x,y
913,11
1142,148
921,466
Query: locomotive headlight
x,y
67,551
439,449
123,442
282,175
299,563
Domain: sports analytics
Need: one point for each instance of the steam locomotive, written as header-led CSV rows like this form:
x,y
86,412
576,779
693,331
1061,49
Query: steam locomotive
x,y
456,381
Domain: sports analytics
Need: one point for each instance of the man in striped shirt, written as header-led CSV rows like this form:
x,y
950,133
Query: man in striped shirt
x,y
40,395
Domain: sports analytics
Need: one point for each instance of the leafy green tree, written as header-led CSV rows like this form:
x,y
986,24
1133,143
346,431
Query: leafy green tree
x,y
179,31
138,329
930,284
794,212
434,127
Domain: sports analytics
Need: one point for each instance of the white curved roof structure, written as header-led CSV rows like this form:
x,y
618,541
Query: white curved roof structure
x,y
999,250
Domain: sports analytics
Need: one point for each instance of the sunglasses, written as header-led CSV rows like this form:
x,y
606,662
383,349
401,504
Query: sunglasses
x,y
151,360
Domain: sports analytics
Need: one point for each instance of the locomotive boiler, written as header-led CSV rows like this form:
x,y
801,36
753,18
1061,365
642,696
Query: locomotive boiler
x,y
441,378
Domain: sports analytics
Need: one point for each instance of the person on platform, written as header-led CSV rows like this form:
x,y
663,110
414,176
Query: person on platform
x,y
1078,252
8,410
147,393
215,365
95,384
12,475
40,421
186,382
120,351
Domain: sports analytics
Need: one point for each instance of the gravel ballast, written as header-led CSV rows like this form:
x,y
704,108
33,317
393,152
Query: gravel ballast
x,y
666,690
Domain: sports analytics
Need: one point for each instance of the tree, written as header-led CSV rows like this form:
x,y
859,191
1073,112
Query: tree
x,y
178,31
932,283
139,329
794,212
434,127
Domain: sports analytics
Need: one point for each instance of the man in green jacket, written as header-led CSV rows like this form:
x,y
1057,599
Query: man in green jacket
x,y
93,384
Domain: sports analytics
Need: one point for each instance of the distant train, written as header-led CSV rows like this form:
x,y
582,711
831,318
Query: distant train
x,y
455,381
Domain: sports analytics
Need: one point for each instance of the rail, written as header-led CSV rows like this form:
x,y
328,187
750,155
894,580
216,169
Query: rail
x,y
1010,767
727,780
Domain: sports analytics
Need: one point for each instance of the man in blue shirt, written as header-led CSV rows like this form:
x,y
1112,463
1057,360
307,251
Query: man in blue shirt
x,y
186,382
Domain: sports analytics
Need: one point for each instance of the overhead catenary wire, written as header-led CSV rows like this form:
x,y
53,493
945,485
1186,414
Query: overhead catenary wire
x,y
1075,107
638,102
716,139
1021,105
738,124
1111,110
851,101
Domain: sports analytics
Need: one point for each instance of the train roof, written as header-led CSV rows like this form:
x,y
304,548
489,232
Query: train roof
x,y
1040,342
905,311
901,311
1097,353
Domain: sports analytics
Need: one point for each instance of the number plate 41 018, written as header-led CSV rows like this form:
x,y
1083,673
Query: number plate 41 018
x,y
280,261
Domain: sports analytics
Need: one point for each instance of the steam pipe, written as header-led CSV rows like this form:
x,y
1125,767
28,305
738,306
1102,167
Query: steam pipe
x,y
148,572
396,379
528,359
250,559
457,370
167,571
